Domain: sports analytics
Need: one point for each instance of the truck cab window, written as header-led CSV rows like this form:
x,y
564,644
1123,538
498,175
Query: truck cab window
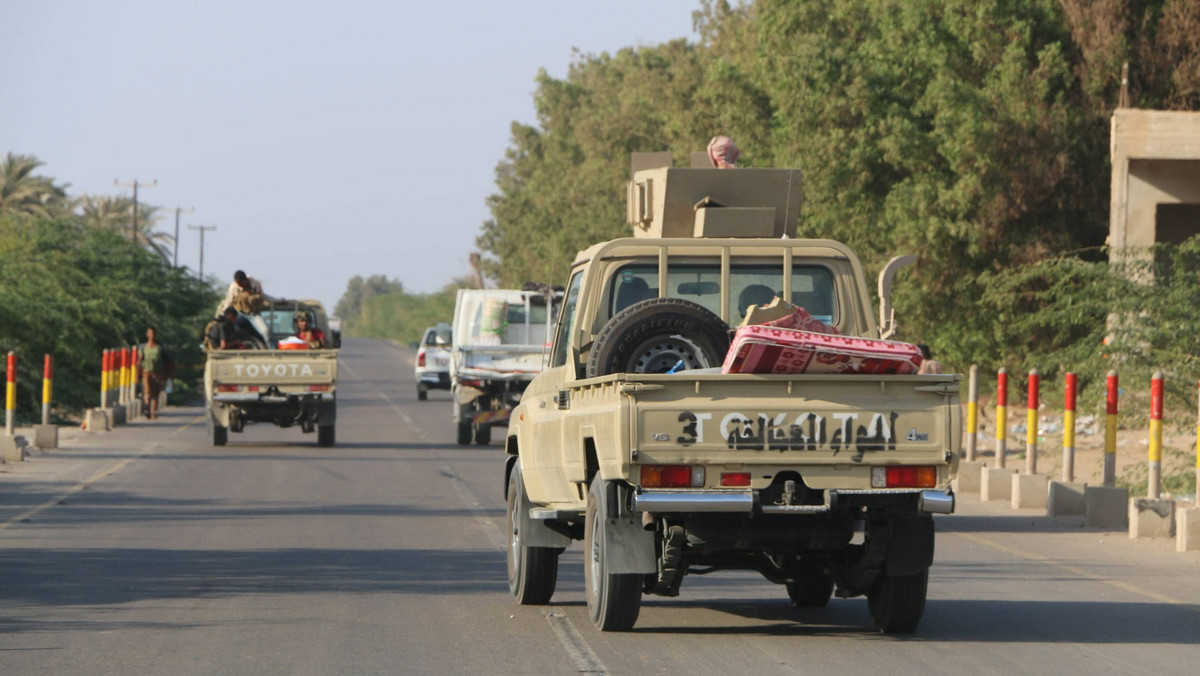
x,y
750,284
563,333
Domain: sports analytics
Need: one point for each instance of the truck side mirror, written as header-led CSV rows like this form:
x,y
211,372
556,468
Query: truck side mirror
x,y
887,314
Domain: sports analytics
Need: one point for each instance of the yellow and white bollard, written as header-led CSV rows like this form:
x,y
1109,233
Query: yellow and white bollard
x,y
1112,393
1001,415
1031,423
10,396
1068,470
972,413
47,388
1154,487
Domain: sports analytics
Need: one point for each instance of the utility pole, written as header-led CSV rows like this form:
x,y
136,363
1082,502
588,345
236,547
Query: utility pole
x,y
179,210
134,185
203,229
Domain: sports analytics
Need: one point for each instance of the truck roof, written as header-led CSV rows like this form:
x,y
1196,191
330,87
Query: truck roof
x,y
643,246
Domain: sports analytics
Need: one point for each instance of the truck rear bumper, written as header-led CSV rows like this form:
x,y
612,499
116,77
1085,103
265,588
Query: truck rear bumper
x,y
689,501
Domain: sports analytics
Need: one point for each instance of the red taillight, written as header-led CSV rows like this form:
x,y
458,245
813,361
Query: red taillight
x,y
227,388
904,476
672,476
421,358
471,383
318,388
735,478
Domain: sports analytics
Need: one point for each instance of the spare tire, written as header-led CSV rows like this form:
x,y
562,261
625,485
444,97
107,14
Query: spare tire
x,y
655,335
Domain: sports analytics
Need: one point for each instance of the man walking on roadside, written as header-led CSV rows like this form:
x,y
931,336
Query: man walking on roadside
x,y
156,365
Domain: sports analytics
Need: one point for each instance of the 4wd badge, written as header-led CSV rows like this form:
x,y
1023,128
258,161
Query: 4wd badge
x,y
914,435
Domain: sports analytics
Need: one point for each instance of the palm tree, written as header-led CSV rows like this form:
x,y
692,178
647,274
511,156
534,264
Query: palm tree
x,y
24,193
105,212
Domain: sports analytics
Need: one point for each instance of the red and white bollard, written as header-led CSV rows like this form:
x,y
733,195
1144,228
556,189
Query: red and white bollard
x,y
1001,415
10,396
1112,392
47,388
1031,423
972,413
1154,487
1068,471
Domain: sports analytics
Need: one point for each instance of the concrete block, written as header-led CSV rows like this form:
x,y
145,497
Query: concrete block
x,y
1066,499
1030,491
12,449
1187,529
969,479
133,409
1106,507
1151,518
97,420
996,484
45,436
119,414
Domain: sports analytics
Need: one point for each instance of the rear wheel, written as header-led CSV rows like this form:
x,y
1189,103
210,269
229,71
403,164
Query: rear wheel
x,y
483,434
613,600
812,586
325,435
220,435
532,571
897,603
422,392
464,433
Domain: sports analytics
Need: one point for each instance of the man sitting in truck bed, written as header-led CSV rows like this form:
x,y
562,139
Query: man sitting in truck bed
x,y
234,332
314,337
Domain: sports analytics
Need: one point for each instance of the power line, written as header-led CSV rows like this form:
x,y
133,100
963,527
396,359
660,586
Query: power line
x,y
203,229
134,185
179,210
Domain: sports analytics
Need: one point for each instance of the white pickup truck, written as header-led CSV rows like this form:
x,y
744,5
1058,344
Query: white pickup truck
x,y
284,387
500,340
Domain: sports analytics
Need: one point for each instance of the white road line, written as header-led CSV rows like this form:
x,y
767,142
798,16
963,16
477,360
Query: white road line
x,y
30,513
585,659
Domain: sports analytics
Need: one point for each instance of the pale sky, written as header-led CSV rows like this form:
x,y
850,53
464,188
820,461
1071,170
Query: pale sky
x,y
322,139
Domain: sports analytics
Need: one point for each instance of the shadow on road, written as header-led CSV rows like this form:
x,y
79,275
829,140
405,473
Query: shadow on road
x,y
973,621
32,577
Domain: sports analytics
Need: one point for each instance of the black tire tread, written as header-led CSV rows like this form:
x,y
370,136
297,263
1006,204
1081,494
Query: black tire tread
x,y
897,603
326,435
620,600
534,583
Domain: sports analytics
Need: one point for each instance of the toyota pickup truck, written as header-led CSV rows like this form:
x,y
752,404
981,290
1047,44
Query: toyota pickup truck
x,y
267,380
634,441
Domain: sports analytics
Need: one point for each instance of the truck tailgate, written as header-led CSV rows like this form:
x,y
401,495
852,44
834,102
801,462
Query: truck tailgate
x,y
273,367
803,419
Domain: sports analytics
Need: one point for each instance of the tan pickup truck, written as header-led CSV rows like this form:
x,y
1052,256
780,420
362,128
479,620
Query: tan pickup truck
x,y
633,441
259,382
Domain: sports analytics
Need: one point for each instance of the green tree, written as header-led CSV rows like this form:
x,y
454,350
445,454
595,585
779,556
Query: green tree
x,y
115,214
23,192
349,307
70,291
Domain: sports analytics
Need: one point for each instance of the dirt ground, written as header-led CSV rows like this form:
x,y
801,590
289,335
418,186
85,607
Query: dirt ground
x,y
1178,462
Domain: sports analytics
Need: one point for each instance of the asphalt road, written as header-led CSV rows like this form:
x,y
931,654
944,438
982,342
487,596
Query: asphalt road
x,y
147,551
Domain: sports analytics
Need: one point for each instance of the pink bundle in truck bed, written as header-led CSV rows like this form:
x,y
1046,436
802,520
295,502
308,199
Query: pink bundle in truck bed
x,y
772,349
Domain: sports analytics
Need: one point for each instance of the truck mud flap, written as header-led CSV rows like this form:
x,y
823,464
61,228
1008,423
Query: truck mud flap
x,y
910,548
629,548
